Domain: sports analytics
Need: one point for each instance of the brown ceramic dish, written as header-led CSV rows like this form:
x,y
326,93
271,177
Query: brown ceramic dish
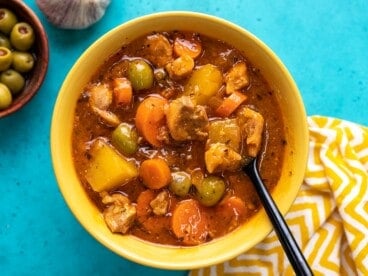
x,y
40,49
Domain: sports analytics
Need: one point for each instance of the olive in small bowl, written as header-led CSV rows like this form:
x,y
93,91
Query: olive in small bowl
x,y
5,96
22,36
6,57
29,55
7,20
13,80
22,61
4,41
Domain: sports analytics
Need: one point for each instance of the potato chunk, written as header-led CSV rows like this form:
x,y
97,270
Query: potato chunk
x,y
226,131
203,83
107,168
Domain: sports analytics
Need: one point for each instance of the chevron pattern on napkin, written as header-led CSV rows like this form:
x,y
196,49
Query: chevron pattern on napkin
x,y
329,217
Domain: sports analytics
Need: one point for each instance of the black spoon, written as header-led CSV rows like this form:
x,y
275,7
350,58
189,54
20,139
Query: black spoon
x,y
291,248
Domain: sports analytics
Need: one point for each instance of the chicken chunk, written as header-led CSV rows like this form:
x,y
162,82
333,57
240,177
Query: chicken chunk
x,y
252,124
220,157
107,116
236,78
119,214
100,99
181,67
100,96
158,50
160,203
186,121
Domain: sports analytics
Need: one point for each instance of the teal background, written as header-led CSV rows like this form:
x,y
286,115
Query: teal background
x,y
324,44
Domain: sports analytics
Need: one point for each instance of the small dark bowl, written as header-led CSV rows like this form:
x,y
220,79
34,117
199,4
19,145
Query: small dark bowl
x,y
34,78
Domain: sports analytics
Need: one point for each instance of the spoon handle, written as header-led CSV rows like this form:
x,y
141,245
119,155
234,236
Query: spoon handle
x,y
291,248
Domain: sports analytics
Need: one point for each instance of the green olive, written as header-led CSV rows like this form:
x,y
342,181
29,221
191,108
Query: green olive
x,y
140,74
22,61
210,190
5,96
7,20
125,139
6,58
180,183
22,36
13,80
4,41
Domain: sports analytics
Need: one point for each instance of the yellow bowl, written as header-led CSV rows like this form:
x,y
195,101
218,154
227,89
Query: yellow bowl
x,y
216,251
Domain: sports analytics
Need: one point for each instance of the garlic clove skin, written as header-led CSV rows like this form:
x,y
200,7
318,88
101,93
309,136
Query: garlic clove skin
x,y
73,14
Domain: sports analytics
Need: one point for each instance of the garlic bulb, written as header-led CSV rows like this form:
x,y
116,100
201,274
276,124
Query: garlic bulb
x,y
73,14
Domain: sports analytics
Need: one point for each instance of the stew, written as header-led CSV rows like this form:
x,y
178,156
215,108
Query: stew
x,y
161,132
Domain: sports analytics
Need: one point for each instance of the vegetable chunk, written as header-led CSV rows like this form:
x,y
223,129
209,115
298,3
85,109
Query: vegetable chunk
x,y
189,223
210,190
230,104
123,91
150,118
108,169
226,131
231,211
203,83
155,173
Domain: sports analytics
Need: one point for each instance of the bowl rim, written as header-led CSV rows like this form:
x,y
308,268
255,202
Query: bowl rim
x,y
172,261
42,59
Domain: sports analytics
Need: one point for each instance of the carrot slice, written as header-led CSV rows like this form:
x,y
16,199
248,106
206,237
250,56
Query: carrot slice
x,y
145,216
150,117
123,91
155,173
230,104
191,47
143,204
188,223
234,205
230,211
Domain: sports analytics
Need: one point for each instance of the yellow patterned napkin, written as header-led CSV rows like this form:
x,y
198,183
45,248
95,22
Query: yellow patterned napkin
x,y
329,218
